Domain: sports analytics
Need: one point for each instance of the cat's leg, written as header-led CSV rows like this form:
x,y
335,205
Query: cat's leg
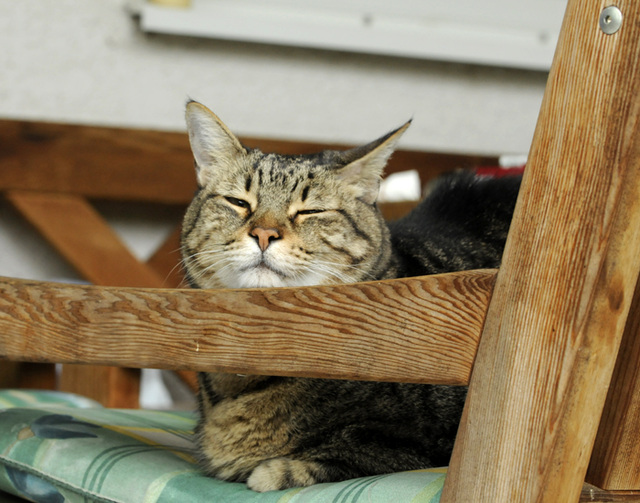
x,y
284,473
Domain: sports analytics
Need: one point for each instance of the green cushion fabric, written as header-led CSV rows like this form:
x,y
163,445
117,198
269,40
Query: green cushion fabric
x,y
23,398
58,447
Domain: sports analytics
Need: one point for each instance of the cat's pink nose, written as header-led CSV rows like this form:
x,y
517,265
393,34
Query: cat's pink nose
x,y
265,236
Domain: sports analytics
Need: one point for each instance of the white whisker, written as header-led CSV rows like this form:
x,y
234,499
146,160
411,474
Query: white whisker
x,y
333,269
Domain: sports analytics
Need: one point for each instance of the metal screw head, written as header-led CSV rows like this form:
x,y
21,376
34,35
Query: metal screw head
x,y
610,20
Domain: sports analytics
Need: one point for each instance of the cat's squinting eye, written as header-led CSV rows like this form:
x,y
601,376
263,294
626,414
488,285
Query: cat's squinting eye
x,y
309,212
238,202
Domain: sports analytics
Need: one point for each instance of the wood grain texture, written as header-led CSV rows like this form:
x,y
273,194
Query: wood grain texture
x,y
98,162
418,329
615,461
84,239
166,263
567,279
89,244
594,494
145,165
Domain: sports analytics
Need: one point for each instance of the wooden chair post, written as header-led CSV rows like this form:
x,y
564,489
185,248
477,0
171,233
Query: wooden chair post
x,y
615,462
568,277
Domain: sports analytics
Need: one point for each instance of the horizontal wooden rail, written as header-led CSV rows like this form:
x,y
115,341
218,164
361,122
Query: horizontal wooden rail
x,y
422,329
144,165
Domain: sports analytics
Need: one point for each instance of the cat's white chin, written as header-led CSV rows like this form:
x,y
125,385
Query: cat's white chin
x,y
259,277
263,277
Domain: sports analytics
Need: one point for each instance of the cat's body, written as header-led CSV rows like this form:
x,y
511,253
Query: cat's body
x,y
263,220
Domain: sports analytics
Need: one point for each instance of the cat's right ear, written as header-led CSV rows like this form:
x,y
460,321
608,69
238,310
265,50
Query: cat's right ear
x,y
212,144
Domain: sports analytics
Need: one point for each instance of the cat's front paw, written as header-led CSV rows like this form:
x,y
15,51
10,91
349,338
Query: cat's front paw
x,y
284,473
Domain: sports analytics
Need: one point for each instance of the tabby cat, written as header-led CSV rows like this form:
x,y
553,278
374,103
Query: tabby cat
x,y
269,220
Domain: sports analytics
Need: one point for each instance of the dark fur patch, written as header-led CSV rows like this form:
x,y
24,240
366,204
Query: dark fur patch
x,y
354,226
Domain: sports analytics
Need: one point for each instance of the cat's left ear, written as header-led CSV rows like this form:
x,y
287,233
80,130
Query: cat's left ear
x,y
363,166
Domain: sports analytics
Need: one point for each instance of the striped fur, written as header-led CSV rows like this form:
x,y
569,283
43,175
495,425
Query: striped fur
x,y
269,220
328,229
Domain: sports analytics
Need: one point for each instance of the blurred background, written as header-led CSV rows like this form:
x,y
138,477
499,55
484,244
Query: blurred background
x,y
81,62
470,74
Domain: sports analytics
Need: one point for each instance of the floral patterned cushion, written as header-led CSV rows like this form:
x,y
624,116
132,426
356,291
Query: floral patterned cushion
x,y
57,447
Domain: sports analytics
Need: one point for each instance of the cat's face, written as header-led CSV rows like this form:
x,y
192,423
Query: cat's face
x,y
268,220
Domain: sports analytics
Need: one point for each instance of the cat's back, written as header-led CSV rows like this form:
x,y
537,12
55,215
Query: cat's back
x,y
461,224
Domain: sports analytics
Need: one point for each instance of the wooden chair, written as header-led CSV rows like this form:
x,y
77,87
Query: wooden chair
x,y
547,343
52,174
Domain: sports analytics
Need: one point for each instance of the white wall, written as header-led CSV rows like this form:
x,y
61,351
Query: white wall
x,y
87,62
80,61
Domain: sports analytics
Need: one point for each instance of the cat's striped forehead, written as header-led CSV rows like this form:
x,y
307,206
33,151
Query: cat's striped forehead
x,y
276,172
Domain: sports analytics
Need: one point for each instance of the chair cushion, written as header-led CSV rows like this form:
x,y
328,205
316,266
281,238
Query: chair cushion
x,y
57,447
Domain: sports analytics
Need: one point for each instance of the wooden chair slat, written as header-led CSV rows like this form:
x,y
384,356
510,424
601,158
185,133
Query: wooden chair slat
x,y
417,329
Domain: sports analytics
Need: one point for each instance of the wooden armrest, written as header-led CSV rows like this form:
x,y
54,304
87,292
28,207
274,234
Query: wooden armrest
x,y
422,329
